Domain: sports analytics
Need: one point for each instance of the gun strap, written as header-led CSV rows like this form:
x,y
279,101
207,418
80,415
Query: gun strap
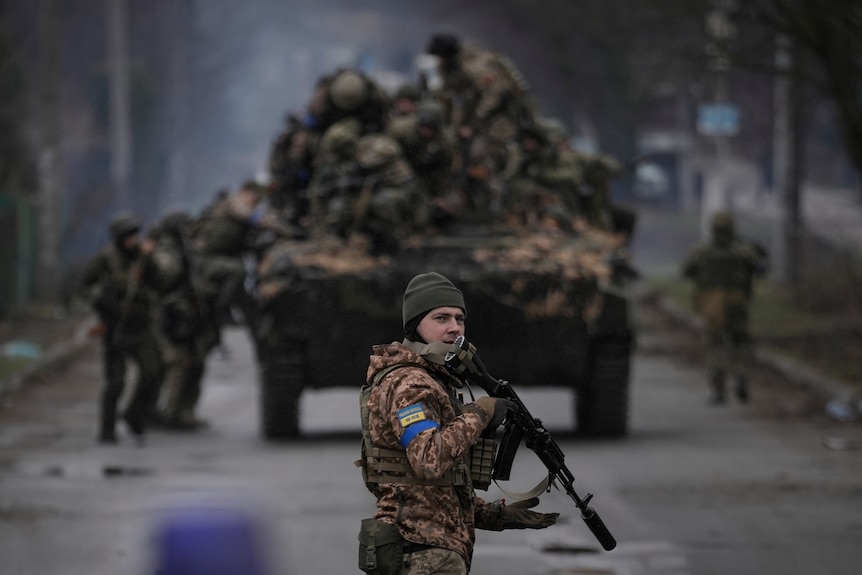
x,y
541,487
432,352
460,360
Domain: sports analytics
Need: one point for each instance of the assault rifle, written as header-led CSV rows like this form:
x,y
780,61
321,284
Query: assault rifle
x,y
522,426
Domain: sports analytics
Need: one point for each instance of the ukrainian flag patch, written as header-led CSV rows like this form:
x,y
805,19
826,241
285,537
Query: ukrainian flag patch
x,y
411,414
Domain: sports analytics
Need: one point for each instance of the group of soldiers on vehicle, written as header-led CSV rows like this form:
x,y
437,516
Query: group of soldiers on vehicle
x,y
359,161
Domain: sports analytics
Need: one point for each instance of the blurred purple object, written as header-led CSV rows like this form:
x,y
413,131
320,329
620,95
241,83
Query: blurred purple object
x,y
209,542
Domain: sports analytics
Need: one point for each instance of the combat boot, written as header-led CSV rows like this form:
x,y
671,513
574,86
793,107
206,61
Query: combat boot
x,y
742,389
717,385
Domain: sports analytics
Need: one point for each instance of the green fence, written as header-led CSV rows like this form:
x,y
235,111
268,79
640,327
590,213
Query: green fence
x,y
18,254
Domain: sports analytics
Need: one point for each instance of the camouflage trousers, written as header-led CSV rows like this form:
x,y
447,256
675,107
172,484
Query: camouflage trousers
x,y
434,561
181,385
730,352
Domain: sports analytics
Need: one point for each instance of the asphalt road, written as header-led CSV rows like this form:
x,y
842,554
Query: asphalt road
x,y
766,488
694,489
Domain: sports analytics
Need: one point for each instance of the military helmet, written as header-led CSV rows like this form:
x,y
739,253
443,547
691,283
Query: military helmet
x,y
429,113
175,221
444,46
722,221
122,226
376,151
554,128
341,138
253,186
348,90
408,92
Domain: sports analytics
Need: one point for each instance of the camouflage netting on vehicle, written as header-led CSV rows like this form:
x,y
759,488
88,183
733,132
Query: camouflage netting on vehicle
x,y
288,262
541,274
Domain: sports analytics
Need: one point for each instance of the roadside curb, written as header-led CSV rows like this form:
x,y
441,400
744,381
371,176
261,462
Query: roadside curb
x,y
824,386
54,357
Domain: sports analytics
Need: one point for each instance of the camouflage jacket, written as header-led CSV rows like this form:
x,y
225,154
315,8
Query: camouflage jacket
x,y
224,230
113,284
439,515
730,267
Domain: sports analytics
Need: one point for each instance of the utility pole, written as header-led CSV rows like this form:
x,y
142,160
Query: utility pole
x,y
787,158
48,275
179,26
120,123
720,119
781,136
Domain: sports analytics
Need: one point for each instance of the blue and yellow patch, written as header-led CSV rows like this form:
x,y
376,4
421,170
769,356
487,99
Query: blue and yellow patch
x,y
411,414
414,421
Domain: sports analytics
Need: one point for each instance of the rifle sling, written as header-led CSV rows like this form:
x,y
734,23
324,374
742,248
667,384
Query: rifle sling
x,y
541,487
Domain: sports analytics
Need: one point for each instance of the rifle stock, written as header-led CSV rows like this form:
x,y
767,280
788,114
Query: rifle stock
x,y
522,425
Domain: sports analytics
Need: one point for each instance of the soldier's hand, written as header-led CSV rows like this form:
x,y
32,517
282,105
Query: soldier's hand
x,y
493,410
518,516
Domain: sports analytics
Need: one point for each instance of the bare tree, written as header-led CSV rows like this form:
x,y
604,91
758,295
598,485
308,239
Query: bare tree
x,y
828,38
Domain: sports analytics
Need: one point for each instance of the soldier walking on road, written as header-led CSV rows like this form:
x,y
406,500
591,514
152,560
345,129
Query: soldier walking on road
x,y
186,332
113,285
723,273
417,441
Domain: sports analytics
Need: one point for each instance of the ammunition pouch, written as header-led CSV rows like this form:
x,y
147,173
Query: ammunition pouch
x,y
383,465
381,548
482,463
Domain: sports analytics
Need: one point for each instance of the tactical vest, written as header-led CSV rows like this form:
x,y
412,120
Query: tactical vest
x,y
130,300
386,465
220,232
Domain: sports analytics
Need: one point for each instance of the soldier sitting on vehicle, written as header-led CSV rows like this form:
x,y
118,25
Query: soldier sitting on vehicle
x,y
336,180
485,98
348,94
389,206
429,148
536,183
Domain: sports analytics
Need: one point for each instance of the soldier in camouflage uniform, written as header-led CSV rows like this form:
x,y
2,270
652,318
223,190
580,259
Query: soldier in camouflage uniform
x,y
486,99
222,237
723,272
537,183
389,206
414,419
429,148
405,100
289,166
336,180
114,284
186,329
349,93
595,200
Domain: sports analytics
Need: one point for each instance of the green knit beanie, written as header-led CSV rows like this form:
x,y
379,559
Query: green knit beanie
x,y
429,291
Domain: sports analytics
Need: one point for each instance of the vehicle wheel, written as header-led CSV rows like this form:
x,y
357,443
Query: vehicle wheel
x,y
282,380
602,400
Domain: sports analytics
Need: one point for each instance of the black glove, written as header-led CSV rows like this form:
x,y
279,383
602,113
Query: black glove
x,y
496,407
502,408
518,516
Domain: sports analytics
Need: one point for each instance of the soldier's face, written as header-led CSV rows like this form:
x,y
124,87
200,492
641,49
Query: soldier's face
x,y
443,324
131,242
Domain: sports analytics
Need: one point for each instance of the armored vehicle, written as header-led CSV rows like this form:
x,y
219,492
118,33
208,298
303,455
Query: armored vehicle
x,y
476,185
550,309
